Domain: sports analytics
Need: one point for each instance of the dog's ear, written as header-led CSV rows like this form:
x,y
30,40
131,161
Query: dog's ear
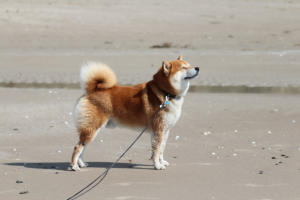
x,y
166,67
179,57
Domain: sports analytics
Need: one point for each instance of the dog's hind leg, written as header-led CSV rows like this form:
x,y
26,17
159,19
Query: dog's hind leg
x,y
89,122
80,162
86,136
75,157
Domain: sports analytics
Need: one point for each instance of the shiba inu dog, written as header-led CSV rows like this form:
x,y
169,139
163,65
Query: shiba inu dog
x,y
107,104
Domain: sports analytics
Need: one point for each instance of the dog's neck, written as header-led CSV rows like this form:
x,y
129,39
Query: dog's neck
x,y
169,95
163,83
161,92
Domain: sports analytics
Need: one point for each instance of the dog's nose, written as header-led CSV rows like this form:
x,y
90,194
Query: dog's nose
x,y
197,69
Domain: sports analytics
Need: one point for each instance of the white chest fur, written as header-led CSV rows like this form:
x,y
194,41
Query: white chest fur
x,y
173,113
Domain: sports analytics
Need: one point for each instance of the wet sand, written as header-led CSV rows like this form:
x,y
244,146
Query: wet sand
x,y
222,148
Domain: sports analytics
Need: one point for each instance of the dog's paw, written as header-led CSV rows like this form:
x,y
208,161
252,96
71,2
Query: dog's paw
x,y
159,166
164,163
82,164
74,168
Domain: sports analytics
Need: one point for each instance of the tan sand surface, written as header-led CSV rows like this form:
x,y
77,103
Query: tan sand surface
x,y
224,149
253,43
226,146
112,24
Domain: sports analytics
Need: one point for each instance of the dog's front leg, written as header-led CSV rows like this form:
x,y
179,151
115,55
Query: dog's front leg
x,y
157,139
162,148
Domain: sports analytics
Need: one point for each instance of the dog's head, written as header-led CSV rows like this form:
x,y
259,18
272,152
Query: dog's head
x,y
174,76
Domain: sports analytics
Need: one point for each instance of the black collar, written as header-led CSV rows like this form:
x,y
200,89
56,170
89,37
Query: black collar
x,y
165,93
169,95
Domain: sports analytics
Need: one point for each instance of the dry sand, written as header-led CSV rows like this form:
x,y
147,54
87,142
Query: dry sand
x,y
88,24
230,146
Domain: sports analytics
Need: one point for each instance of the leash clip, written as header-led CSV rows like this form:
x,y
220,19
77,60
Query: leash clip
x,y
165,103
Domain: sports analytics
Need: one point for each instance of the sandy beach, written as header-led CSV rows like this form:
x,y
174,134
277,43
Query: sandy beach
x,y
231,143
233,42
238,147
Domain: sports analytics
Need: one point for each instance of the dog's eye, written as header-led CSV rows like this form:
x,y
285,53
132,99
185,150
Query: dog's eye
x,y
184,67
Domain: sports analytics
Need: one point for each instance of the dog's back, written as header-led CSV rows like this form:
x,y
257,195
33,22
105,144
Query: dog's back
x,y
104,101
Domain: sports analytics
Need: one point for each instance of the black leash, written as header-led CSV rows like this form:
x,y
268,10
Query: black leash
x,y
100,178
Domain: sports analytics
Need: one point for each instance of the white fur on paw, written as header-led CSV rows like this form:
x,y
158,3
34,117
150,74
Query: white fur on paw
x,y
75,168
159,166
82,164
165,163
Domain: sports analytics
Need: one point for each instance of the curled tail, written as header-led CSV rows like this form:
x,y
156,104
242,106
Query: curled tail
x,y
95,76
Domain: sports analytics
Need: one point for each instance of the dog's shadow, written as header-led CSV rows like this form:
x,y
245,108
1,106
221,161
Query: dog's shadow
x,y
64,166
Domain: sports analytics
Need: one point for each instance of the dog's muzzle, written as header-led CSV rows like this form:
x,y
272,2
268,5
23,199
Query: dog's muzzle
x,y
192,73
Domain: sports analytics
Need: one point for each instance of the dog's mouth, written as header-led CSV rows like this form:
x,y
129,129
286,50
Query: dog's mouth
x,y
191,77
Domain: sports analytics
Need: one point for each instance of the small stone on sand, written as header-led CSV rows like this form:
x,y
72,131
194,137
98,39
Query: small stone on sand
x,y
207,133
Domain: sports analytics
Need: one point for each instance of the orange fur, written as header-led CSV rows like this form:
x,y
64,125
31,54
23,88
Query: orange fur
x,y
106,102
95,76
